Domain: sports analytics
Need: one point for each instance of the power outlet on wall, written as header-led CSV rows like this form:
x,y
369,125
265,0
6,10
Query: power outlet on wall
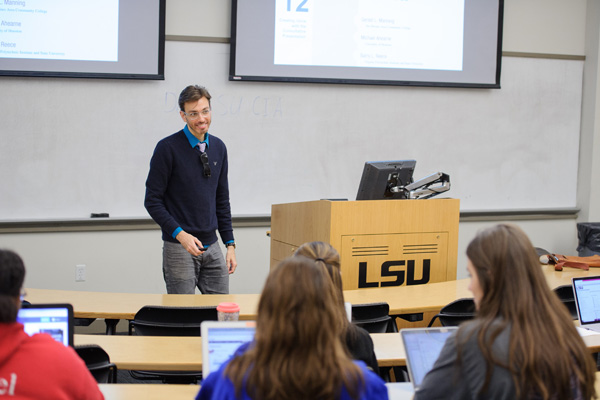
x,y
80,273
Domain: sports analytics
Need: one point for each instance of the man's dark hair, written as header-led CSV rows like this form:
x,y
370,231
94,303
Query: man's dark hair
x,y
12,275
193,93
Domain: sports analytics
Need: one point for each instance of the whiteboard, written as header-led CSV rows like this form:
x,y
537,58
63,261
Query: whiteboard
x,y
71,147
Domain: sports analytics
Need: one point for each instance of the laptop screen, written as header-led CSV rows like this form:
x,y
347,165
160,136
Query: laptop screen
x,y
220,339
422,347
55,320
587,299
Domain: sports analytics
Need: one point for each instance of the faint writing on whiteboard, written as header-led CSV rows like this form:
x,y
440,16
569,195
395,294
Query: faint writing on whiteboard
x,y
228,105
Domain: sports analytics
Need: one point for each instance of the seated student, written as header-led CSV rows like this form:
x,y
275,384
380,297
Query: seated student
x,y
36,367
297,352
523,343
358,341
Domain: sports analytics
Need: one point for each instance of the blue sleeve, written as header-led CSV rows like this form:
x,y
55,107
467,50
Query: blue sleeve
x,y
176,232
205,392
375,388
216,385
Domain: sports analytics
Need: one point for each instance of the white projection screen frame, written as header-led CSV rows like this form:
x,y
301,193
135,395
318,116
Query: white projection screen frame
x,y
454,43
83,39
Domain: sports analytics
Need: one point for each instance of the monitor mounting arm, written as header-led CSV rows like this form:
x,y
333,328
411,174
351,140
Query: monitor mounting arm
x,y
424,188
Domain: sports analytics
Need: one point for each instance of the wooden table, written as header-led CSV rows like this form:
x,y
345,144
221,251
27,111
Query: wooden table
x,y
113,307
126,305
180,392
402,299
407,301
433,296
124,391
396,391
159,353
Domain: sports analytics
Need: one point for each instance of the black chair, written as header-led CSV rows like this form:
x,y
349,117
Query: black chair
x,y
170,321
98,363
83,321
453,314
566,296
373,317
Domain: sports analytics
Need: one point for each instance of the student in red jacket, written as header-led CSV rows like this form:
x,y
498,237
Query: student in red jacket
x,y
35,367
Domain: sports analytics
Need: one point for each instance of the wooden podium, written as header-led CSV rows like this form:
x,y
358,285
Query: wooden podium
x,y
381,242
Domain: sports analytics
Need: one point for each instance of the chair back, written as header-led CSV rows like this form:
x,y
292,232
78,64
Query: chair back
x,y
566,296
171,321
373,317
98,363
455,313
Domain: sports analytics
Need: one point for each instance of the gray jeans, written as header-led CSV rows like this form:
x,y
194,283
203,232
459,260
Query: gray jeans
x,y
184,272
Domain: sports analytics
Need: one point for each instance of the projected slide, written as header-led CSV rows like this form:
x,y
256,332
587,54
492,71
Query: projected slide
x,y
418,34
59,29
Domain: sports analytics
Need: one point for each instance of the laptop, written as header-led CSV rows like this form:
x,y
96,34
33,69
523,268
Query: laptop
x,y
55,320
422,347
220,339
586,291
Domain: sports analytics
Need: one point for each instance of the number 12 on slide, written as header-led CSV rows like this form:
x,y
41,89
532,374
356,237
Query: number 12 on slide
x,y
301,7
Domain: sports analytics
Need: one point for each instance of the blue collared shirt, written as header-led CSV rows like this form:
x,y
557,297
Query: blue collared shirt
x,y
193,139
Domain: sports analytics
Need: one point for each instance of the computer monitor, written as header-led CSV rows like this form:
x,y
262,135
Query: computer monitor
x,y
379,177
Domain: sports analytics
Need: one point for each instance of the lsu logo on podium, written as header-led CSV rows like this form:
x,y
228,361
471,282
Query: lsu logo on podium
x,y
372,261
392,269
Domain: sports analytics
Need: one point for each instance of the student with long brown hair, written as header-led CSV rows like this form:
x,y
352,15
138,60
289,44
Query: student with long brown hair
x,y
358,341
523,343
297,352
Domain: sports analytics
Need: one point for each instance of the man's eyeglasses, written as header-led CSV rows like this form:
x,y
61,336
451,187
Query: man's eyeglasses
x,y
205,164
194,115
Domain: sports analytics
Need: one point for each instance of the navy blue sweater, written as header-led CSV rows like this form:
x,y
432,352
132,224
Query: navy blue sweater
x,y
179,195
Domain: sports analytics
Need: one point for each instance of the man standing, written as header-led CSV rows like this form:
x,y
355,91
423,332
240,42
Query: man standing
x,y
187,194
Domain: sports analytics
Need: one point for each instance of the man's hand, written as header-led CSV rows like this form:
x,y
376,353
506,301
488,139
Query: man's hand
x,y
230,261
190,243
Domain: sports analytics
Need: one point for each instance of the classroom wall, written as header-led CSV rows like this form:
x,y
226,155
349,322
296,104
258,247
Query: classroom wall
x,y
552,27
130,260
123,261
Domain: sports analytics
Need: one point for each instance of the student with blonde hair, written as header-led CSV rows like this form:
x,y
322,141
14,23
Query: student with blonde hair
x,y
358,341
523,343
297,352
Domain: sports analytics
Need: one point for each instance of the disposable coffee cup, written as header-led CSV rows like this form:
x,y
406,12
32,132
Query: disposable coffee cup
x,y
228,312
